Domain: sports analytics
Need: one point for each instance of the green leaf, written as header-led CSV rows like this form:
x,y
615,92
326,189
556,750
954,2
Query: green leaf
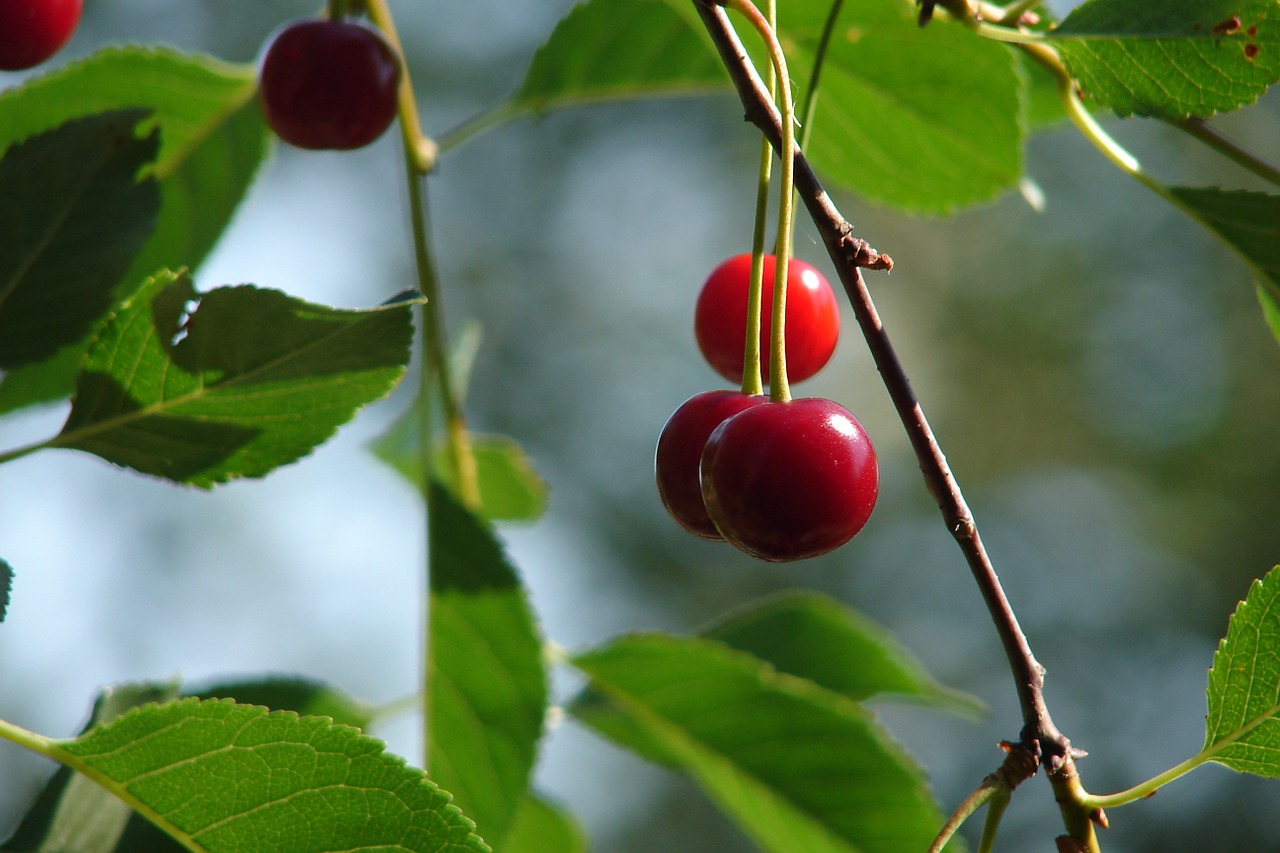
x,y
73,214
306,696
74,814
228,777
203,388
815,637
1176,58
1247,222
6,587
1270,309
923,119
212,141
799,768
1242,729
543,828
487,680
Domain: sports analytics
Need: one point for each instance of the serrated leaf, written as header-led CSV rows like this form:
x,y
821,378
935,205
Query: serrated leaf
x,y
1176,58
306,696
487,680
1246,221
800,769
73,214
6,587
74,814
228,777
250,380
212,140
1242,729
541,827
813,636
923,119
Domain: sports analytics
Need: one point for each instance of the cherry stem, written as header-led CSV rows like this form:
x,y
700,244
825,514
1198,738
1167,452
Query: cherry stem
x,y
752,383
779,388
1039,737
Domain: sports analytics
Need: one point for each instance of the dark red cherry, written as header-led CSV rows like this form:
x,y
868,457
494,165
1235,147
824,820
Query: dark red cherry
x,y
31,31
680,451
329,84
787,481
720,318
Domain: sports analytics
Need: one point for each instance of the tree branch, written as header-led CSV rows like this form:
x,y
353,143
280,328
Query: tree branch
x,y
1039,736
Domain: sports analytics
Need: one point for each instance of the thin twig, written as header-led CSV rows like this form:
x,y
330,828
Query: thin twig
x,y
850,255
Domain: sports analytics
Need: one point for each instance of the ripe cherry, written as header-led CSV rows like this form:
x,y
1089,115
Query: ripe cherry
x,y
790,480
329,84
720,318
680,451
31,31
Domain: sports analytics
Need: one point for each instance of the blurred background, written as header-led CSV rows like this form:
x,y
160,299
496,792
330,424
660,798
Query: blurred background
x,y
1098,373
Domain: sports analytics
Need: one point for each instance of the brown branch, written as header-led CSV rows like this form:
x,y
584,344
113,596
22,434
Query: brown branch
x,y
849,254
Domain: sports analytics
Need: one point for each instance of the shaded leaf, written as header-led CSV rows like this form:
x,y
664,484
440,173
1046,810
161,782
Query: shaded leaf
x,y
212,140
73,214
1270,309
306,696
799,768
1242,729
74,814
487,680
6,587
203,388
1176,58
228,777
815,637
543,828
1248,222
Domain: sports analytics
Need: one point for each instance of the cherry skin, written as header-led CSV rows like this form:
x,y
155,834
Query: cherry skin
x,y
720,318
31,31
788,481
329,84
680,451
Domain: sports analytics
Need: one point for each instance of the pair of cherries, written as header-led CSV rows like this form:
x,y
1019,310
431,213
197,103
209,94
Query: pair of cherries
x,y
780,481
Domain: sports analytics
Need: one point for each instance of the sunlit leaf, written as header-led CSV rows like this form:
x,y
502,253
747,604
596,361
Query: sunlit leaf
x,y
203,388
815,637
799,768
487,680
73,813
228,777
541,827
73,214
1242,729
1175,58
1267,298
212,141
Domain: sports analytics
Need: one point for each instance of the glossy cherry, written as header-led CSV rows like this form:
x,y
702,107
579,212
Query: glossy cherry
x,y
329,84
790,480
31,31
720,318
680,452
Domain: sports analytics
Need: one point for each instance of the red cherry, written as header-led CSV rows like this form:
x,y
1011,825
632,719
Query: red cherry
x,y
787,481
329,84
680,451
31,31
720,318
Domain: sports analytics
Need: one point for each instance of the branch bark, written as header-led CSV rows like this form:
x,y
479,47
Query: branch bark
x,y
1039,738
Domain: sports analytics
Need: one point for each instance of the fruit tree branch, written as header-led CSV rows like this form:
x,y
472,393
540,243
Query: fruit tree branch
x,y
1039,736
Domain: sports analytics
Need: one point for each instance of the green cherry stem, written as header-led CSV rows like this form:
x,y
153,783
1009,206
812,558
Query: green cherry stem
x,y
421,149
779,388
752,382
963,812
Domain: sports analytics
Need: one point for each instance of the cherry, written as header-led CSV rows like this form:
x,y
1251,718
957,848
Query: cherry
x,y
720,318
31,31
680,451
329,84
790,480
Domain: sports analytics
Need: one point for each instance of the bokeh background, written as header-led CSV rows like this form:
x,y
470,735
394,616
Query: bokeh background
x,y
1098,373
